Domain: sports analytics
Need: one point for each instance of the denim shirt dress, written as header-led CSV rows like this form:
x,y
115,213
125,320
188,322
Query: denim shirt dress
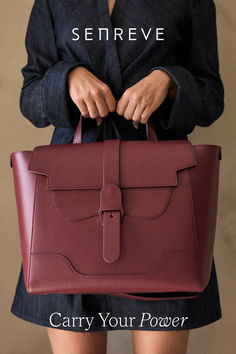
x,y
56,42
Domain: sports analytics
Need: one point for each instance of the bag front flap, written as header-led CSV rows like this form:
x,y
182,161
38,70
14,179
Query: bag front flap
x,y
142,163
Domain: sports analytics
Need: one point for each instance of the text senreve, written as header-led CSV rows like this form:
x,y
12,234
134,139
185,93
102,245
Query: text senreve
x,y
118,33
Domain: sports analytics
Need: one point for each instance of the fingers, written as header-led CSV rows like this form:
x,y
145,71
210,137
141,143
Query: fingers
x,y
85,112
146,114
122,103
134,107
105,104
95,106
92,96
92,108
83,108
99,105
138,114
139,101
109,99
141,115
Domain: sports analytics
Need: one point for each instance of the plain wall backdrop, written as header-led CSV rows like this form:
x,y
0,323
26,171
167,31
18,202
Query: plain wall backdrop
x,y
17,133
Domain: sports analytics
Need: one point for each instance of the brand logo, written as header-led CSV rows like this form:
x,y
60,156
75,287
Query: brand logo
x,y
118,33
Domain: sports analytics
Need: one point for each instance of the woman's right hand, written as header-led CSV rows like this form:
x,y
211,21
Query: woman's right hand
x,y
92,96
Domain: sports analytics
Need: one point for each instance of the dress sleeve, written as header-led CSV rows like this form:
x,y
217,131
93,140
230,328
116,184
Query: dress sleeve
x,y
44,97
200,94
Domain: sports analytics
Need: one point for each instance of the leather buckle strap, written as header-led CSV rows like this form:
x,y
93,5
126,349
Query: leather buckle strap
x,y
111,210
111,236
110,200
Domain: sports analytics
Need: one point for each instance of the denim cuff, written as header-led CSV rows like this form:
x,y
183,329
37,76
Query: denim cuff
x,y
55,96
186,108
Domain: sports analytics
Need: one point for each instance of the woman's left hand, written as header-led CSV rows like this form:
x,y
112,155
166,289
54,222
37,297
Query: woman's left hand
x,y
139,101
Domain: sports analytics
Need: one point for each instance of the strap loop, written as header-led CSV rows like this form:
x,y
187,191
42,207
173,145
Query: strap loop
x,y
150,132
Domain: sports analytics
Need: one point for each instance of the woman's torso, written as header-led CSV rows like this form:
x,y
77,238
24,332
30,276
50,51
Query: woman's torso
x,y
148,34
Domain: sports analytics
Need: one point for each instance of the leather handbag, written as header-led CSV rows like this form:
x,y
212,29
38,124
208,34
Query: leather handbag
x,y
128,218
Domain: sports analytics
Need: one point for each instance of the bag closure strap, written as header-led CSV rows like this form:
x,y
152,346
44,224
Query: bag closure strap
x,y
111,210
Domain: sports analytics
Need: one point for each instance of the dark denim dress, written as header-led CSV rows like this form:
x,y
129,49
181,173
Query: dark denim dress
x,y
189,55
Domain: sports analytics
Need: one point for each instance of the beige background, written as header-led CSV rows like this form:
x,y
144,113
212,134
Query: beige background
x,y
21,337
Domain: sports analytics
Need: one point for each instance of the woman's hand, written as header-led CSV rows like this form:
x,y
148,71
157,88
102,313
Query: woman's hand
x,y
139,101
91,95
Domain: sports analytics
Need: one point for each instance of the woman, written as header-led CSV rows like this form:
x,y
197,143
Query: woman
x,y
120,64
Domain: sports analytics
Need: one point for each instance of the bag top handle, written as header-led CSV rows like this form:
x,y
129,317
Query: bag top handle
x,y
150,132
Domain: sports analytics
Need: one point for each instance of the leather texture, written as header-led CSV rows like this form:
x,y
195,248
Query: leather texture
x,y
117,217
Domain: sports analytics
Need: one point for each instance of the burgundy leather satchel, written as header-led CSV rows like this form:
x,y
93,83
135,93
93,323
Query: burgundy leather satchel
x,y
117,217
